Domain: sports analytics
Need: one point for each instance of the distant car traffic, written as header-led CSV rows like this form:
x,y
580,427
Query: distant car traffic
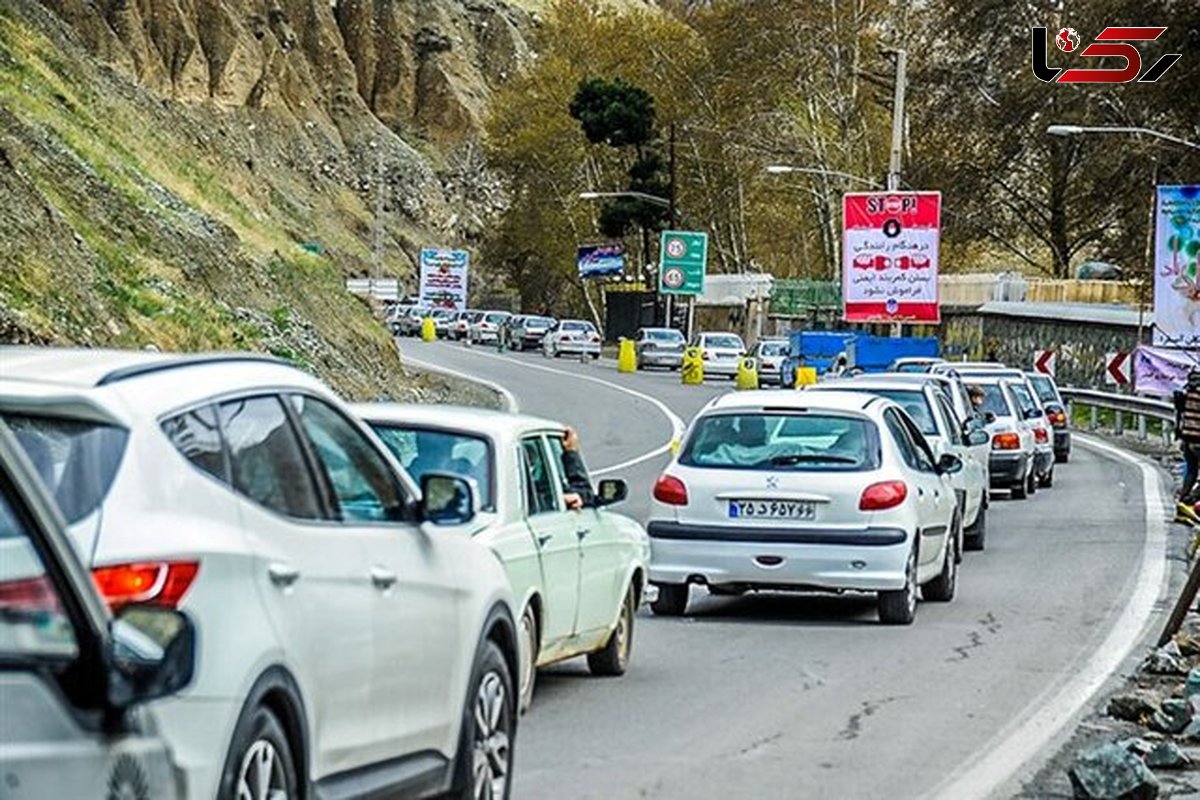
x,y
577,576
1012,461
72,721
659,347
461,324
770,355
929,408
444,320
803,490
408,323
574,337
1056,413
528,332
486,329
721,353
345,640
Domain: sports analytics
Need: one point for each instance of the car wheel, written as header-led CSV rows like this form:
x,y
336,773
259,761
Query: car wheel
x,y
613,660
941,589
1031,483
977,533
899,607
1063,457
1018,489
672,600
260,760
485,756
1048,479
528,659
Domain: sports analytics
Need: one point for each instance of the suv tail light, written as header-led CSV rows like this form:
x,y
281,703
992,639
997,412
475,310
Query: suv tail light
x,y
1006,441
1057,418
883,495
160,583
670,490
1040,435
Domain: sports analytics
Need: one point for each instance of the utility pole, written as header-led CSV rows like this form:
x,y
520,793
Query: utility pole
x,y
893,176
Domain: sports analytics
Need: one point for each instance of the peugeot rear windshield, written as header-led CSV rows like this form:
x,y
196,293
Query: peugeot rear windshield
x,y
994,400
77,460
1044,388
728,341
662,335
782,442
773,349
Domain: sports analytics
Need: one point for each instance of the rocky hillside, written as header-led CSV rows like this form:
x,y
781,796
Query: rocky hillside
x,y
203,173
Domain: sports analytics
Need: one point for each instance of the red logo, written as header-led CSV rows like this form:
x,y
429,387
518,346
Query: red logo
x,y
1113,42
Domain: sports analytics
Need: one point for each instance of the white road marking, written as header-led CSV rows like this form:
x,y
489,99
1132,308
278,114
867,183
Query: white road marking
x,y
677,424
507,397
1018,743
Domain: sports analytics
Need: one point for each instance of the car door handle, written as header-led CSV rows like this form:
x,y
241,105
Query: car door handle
x,y
582,533
283,575
382,579
543,540
921,491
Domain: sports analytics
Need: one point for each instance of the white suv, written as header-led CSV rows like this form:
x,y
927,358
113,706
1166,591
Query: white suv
x,y
806,491
345,645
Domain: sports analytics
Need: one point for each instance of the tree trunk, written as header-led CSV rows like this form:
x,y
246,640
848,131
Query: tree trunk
x,y
1060,246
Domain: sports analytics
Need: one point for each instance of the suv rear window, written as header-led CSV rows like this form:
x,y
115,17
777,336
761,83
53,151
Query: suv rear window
x,y
1044,388
76,459
783,442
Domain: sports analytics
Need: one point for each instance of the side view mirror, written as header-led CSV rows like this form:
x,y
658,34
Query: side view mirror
x,y
977,436
610,491
447,499
151,654
949,464
988,418
1033,413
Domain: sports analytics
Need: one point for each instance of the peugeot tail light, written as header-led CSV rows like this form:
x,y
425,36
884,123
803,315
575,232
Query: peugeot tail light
x,y
883,495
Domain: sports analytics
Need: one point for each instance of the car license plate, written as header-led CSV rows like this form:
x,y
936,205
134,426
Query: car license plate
x,y
772,509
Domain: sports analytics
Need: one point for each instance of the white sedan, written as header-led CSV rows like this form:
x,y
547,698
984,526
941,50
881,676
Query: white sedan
x,y
577,576
829,491
572,337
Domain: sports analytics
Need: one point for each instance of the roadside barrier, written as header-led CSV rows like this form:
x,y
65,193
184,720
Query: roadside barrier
x,y
692,370
747,374
1120,405
805,376
626,356
428,330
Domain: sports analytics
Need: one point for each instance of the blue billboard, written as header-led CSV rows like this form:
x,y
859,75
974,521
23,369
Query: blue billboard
x,y
596,260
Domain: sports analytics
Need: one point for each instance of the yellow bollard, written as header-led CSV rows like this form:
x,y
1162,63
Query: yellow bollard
x,y
805,376
747,375
692,371
626,356
428,330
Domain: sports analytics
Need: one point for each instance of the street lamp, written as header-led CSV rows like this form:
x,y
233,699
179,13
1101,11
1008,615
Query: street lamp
x,y
787,169
647,198
1076,130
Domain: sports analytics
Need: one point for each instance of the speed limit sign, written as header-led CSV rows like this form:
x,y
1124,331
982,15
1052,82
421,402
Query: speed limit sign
x,y
673,278
683,258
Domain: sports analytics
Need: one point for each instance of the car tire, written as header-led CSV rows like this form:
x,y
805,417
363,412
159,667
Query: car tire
x,y
942,588
899,607
1063,457
1031,483
481,754
976,535
259,739
672,600
1048,479
527,658
613,659
1018,489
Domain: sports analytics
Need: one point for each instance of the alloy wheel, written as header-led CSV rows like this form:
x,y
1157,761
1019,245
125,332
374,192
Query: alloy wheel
x,y
492,747
261,774
528,652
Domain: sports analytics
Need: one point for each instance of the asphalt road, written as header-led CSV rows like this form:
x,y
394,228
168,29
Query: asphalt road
x,y
798,696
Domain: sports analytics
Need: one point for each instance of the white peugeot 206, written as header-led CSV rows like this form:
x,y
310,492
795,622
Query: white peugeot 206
x,y
348,644
577,574
829,491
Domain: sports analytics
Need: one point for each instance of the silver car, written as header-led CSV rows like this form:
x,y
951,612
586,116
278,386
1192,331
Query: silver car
x,y
72,678
659,347
770,355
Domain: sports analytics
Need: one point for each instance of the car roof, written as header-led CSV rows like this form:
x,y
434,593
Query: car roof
x,y
868,384
86,368
831,400
466,418
922,378
989,366
919,360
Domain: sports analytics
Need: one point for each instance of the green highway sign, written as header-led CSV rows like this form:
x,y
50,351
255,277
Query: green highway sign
x,y
683,257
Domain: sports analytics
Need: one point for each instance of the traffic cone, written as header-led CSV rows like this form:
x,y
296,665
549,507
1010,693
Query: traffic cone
x,y
626,356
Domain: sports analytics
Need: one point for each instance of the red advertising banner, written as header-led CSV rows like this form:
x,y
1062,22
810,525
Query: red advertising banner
x,y
890,256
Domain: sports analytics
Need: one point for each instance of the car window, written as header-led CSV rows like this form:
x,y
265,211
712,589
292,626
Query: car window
x,y
915,403
730,342
421,451
576,326
783,442
1044,388
33,621
950,419
77,460
495,319
265,457
196,434
994,400
907,437
773,349
1023,398
555,443
540,493
363,483
664,336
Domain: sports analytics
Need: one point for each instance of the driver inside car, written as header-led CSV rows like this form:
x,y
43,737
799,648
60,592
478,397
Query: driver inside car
x,y
577,489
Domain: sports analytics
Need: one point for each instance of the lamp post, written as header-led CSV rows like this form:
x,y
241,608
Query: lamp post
x,y
787,169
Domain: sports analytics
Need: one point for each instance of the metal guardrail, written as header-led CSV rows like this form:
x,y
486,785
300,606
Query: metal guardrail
x,y
1140,408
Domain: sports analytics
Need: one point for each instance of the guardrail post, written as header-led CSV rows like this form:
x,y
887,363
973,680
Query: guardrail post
x,y
1141,419
1120,423
1095,423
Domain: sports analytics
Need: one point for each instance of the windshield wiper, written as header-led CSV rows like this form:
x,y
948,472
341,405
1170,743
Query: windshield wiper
x,y
810,458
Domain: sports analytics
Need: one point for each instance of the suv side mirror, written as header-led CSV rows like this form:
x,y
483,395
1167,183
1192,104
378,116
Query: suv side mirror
x,y
151,654
610,491
949,464
447,499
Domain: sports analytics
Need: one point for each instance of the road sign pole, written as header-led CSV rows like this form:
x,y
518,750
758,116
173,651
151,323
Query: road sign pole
x,y
691,316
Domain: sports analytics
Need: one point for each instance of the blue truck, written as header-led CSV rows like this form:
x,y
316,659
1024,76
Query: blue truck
x,y
863,351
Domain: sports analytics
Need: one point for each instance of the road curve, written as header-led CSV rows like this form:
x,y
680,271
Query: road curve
x,y
785,696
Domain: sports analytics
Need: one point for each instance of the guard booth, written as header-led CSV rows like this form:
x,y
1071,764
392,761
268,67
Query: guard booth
x,y
627,307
